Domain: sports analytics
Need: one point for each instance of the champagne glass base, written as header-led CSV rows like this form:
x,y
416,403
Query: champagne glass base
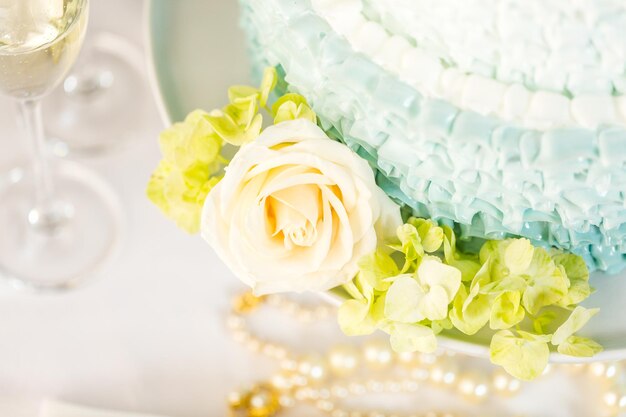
x,y
65,256
97,92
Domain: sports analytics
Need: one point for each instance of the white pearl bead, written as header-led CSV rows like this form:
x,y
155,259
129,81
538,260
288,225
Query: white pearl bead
x,y
444,372
339,413
357,388
612,370
289,365
427,359
504,384
474,387
254,345
343,360
299,380
281,381
339,391
314,367
611,399
466,386
409,385
302,395
234,322
420,374
378,354
286,401
406,357
575,368
597,369
374,386
325,405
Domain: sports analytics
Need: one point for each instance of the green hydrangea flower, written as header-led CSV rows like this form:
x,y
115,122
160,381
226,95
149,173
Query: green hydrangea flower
x,y
292,106
427,285
189,170
192,161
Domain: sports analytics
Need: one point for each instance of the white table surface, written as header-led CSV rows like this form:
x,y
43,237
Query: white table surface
x,y
148,334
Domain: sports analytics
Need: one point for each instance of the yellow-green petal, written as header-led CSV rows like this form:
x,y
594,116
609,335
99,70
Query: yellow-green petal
x,y
376,267
506,311
403,300
434,273
581,347
524,359
353,318
518,255
292,106
469,317
431,236
576,321
547,284
412,338
577,273
270,78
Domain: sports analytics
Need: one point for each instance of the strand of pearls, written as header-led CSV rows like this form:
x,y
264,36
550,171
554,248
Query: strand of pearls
x,y
324,381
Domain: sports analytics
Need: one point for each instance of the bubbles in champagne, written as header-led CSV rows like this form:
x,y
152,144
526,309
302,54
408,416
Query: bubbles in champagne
x,y
39,42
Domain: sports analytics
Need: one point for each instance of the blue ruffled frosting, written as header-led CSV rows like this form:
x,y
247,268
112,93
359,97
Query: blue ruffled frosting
x,y
563,187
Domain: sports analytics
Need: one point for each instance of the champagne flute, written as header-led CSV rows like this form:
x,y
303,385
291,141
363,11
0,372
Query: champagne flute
x,y
58,221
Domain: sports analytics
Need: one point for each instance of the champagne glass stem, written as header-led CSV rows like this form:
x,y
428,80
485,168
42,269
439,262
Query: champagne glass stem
x,y
46,215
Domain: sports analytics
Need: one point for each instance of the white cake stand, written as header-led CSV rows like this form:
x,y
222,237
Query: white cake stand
x,y
196,50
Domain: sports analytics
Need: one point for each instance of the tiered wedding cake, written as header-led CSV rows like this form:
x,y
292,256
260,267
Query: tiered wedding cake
x,y
506,117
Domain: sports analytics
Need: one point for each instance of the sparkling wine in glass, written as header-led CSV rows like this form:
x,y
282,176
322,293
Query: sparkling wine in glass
x,y
58,221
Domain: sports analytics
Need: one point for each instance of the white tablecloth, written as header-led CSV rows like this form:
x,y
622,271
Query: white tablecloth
x,y
148,334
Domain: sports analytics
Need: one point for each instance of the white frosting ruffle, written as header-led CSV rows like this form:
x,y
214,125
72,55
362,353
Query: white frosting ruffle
x,y
577,46
431,76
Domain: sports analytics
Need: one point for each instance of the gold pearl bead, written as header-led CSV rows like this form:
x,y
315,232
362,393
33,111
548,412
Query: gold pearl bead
x,y
378,354
263,402
236,399
343,359
246,303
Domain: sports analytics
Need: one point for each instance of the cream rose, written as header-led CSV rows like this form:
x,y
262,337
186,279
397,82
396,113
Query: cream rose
x,y
296,211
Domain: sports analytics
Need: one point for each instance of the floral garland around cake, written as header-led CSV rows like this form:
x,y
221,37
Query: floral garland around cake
x,y
296,211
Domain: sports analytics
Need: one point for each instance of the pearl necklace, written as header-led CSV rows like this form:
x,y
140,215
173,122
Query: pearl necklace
x,y
325,381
